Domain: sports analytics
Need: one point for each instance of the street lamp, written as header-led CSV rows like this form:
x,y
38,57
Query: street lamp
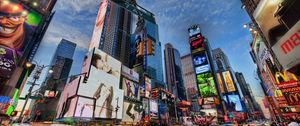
x,y
36,76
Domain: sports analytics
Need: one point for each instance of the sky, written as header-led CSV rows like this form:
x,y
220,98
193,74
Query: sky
x,y
220,21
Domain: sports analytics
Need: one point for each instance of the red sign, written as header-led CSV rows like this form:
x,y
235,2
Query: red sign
x,y
292,42
197,44
289,84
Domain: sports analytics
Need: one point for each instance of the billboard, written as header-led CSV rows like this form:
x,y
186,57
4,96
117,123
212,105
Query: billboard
x,y
228,81
206,85
292,95
132,112
287,49
131,89
196,42
42,6
221,86
130,74
98,28
18,24
153,108
103,85
200,59
7,61
234,102
146,88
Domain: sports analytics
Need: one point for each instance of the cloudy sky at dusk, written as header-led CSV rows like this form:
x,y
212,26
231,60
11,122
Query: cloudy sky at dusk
x,y
220,21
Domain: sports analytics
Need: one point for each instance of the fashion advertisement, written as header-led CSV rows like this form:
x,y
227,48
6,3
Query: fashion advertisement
x,y
103,85
131,89
84,107
132,112
99,24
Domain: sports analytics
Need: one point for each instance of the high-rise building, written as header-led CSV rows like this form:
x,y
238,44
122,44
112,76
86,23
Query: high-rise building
x,y
114,26
55,82
189,77
225,77
248,98
174,72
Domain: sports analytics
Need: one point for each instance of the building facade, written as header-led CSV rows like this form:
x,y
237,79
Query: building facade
x,y
275,24
55,82
189,77
174,72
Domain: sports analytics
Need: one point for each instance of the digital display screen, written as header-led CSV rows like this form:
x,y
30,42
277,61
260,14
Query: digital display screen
x,y
196,42
234,102
206,85
202,69
200,59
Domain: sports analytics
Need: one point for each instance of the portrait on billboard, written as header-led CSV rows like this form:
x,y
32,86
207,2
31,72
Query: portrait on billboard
x,y
17,25
99,24
132,112
131,89
228,81
200,59
102,62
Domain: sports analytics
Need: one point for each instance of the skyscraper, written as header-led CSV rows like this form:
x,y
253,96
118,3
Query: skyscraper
x,y
174,72
112,31
189,77
54,84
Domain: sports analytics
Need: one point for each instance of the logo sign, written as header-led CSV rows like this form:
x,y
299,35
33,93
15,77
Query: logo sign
x,y
287,49
130,74
7,62
202,69
196,42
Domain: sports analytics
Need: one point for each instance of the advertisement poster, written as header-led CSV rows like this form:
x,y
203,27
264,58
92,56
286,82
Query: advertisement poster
x,y
84,107
153,108
133,112
228,81
292,95
131,89
196,42
221,86
200,59
7,62
103,85
206,85
234,102
98,28
129,73
147,87
146,106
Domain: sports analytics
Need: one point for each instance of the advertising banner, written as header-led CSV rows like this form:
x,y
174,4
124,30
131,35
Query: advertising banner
x,y
206,85
146,106
147,87
153,108
228,81
287,49
43,6
98,28
233,103
221,86
85,107
103,85
196,42
130,74
17,26
132,112
131,89
7,62
292,95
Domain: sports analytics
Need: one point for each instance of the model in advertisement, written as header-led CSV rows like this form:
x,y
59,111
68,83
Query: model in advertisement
x,y
104,96
14,31
100,62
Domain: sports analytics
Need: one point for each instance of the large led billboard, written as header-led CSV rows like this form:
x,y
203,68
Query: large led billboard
x,y
18,24
206,84
153,108
228,81
131,89
200,59
221,86
130,74
133,112
98,28
234,102
196,42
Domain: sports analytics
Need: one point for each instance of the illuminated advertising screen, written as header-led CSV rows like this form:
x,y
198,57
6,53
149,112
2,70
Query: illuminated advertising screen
x,y
292,95
84,107
98,28
153,108
146,106
103,85
147,87
132,112
228,81
196,42
17,26
221,86
131,89
130,74
206,85
200,59
234,102
43,6
202,69
7,61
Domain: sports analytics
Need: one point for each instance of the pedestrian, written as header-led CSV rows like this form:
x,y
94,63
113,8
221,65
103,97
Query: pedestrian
x,y
293,122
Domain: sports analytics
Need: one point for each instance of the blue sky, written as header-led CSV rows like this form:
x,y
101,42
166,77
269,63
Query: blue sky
x,y
220,21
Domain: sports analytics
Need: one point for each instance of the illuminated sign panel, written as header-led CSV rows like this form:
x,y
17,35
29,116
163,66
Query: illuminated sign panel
x,y
206,85
228,81
287,49
219,79
200,59
234,103
196,42
202,69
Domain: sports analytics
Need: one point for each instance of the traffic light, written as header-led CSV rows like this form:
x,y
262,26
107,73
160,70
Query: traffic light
x,y
150,47
140,49
85,79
